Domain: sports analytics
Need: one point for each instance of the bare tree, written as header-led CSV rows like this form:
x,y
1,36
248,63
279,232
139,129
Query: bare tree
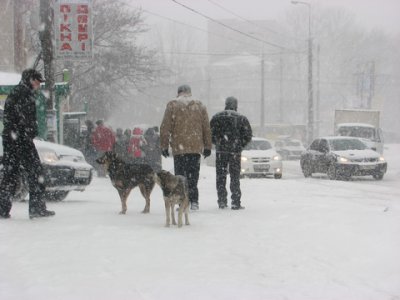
x,y
119,63
349,54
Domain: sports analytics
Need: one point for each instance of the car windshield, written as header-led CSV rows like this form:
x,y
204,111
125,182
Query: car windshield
x,y
258,145
293,143
346,144
358,131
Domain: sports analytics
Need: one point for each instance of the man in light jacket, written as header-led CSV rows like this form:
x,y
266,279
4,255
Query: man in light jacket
x,y
186,128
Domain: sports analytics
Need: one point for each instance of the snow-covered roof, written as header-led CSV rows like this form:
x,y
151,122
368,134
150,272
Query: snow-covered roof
x,y
9,78
355,125
339,137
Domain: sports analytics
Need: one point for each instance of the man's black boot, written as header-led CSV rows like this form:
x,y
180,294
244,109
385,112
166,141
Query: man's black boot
x,y
41,214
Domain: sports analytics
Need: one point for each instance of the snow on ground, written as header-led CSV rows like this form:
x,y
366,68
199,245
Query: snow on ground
x,y
298,238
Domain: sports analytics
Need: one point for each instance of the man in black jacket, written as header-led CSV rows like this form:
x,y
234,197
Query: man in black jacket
x,y
230,132
20,128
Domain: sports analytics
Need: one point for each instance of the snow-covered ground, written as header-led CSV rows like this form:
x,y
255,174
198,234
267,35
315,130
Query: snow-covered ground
x,y
297,238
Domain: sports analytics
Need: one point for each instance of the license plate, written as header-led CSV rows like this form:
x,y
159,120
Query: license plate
x,y
261,168
82,173
368,167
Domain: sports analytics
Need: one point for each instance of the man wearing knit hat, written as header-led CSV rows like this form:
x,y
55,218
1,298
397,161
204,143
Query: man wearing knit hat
x,y
230,132
186,128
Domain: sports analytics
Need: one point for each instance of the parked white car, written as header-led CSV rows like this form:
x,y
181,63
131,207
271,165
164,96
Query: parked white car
x,y
65,169
259,158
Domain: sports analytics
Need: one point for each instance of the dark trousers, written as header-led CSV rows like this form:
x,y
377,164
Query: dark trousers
x,y
21,157
188,165
224,163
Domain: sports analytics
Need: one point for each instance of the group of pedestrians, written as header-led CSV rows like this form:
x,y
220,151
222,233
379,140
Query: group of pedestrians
x,y
185,129
134,146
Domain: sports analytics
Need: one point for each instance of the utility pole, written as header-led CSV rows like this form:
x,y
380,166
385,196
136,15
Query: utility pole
x,y
371,83
45,36
262,106
310,125
317,100
280,88
360,84
19,37
310,102
209,92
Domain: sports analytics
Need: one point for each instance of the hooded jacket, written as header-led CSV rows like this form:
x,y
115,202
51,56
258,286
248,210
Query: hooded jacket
x,y
20,121
103,139
185,127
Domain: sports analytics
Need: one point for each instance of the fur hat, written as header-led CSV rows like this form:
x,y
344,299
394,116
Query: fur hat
x,y
32,74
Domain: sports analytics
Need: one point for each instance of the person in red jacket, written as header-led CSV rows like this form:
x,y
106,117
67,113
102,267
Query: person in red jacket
x,y
103,139
135,145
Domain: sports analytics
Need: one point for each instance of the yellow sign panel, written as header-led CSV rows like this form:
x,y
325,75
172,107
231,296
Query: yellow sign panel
x,y
2,100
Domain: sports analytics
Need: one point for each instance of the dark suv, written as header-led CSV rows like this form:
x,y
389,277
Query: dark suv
x,y
342,157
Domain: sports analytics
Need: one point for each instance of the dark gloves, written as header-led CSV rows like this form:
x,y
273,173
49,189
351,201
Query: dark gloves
x,y
165,153
206,153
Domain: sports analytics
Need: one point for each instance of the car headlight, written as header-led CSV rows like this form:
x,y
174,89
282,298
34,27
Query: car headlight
x,y
48,156
342,159
276,157
381,158
244,158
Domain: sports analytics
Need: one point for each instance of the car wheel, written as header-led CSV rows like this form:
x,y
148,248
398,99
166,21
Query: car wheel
x,y
55,196
307,169
378,176
277,176
332,172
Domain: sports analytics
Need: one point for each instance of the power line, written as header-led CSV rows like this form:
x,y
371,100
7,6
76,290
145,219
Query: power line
x,y
229,27
215,34
229,54
197,28
250,22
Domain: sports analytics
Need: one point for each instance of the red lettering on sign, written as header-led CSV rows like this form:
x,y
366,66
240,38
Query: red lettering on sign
x,y
83,47
82,36
82,9
82,18
82,27
66,46
65,8
65,27
66,37
65,17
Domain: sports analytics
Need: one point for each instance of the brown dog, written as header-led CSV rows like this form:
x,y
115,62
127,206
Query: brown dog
x,y
175,191
126,176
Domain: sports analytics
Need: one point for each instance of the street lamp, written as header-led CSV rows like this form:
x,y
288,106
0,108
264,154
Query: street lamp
x,y
310,125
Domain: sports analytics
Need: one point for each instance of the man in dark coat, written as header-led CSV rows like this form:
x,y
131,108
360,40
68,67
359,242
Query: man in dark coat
x,y
152,149
20,128
230,132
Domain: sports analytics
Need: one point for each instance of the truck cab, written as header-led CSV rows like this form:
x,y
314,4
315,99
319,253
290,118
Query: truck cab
x,y
372,136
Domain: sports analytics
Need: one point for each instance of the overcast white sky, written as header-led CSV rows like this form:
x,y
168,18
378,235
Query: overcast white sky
x,y
384,14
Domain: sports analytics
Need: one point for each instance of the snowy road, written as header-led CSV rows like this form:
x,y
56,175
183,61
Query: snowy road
x,y
297,238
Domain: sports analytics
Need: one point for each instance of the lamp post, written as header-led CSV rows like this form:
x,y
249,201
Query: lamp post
x,y
310,104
